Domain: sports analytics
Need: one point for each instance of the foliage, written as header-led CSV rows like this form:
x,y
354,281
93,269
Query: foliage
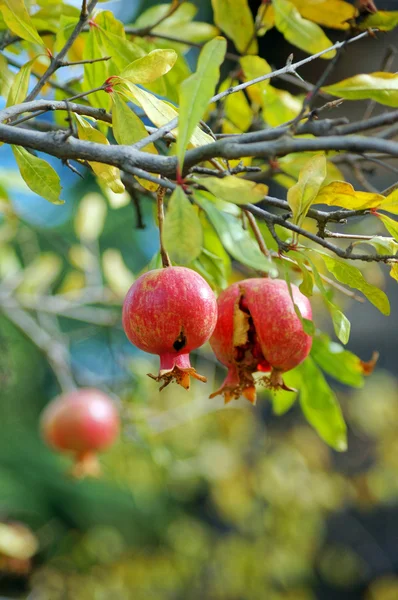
x,y
171,107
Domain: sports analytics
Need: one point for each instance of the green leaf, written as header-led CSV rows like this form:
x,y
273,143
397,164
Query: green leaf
x,y
307,285
6,77
382,244
382,19
108,174
379,86
38,175
341,193
150,67
352,276
300,32
18,20
95,73
389,224
182,230
235,239
282,400
301,195
234,189
307,324
337,362
114,43
196,91
320,406
20,85
341,324
235,19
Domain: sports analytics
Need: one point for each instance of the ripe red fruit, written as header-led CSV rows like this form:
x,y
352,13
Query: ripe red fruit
x,y
170,312
258,330
83,422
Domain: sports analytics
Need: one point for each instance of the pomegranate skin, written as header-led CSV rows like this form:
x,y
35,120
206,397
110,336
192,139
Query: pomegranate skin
x,y
170,312
258,330
83,422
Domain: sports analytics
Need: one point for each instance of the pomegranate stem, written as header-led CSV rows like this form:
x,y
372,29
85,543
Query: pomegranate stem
x,y
165,257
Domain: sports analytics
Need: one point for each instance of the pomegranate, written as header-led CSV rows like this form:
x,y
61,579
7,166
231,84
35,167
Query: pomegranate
x,y
170,312
258,330
83,422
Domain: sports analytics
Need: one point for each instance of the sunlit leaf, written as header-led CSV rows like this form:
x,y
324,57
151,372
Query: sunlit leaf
x,y
150,67
328,13
294,162
380,86
109,175
390,225
320,406
182,231
352,276
40,274
6,77
20,85
18,20
90,217
394,271
390,203
114,43
382,19
300,32
336,361
265,19
129,129
38,175
117,274
196,91
341,193
97,72
234,238
301,195
382,244
253,67
235,19
234,189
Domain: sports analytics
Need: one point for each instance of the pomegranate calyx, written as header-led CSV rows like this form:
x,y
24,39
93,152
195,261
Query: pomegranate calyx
x,y
275,382
180,376
86,465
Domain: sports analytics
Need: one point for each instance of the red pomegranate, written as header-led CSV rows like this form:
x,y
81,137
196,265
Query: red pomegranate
x,y
258,330
170,312
83,422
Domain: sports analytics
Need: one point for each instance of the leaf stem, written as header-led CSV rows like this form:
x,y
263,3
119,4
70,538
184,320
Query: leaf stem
x,y
159,197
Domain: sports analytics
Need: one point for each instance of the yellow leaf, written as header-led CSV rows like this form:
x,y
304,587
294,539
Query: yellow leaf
x,y
383,20
150,67
18,20
235,19
390,225
90,217
390,203
300,32
379,86
20,85
341,193
329,13
117,274
279,106
108,174
129,129
265,18
301,195
253,67
234,189
72,283
394,271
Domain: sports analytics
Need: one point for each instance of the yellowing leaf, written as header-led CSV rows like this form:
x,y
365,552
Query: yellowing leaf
x,y
279,106
18,20
6,77
235,19
38,175
390,225
291,164
129,129
234,189
20,85
117,274
390,203
109,175
265,18
253,67
300,32
182,230
394,271
379,86
90,217
40,274
150,67
238,114
383,20
301,195
196,91
328,13
341,193
161,112
351,276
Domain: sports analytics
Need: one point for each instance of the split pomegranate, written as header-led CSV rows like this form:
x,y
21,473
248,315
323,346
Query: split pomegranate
x,y
82,422
170,312
258,330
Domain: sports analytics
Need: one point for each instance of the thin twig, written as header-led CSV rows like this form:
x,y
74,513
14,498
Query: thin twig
x,y
257,233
